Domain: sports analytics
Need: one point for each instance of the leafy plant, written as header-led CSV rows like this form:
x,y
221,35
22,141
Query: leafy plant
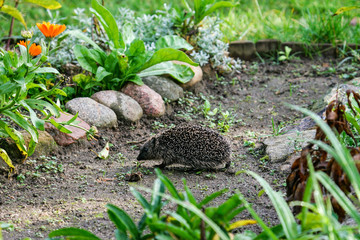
x,y
192,220
128,60
285,55
19,108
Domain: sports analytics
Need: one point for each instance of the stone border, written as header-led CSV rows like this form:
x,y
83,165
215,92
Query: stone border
x,y
248,50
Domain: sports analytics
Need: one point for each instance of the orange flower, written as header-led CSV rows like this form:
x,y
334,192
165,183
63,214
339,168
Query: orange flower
x,y
24,43
50,30
34,49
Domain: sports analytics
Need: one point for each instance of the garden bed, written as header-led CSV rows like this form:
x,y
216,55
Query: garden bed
x,y
72,186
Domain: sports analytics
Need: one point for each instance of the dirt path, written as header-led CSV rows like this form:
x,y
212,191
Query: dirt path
x,y
72,187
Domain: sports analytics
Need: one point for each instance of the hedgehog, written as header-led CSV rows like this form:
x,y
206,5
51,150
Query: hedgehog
x,y
189,145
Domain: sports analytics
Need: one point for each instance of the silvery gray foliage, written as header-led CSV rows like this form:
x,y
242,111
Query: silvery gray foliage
x,y
212,48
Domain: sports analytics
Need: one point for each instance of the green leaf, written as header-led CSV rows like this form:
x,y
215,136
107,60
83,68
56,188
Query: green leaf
x,y
211,197
144,203
339,195
169,185
109,24
15,13
83,56
283,211
101,73
122,220
59,126
74,233
137,47
174,42
17,137
181,73
167,54
49,4
46,70
78,34
38,123
189,196
20,120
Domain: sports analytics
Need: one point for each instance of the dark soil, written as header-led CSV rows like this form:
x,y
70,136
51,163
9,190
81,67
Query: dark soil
x,y
72,187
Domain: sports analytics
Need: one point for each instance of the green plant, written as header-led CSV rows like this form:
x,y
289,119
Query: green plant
x,y
128,60
188,21
191,220
5,226
285,55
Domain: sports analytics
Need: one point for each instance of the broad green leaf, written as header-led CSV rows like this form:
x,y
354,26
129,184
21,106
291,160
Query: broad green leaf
x,y
73,233
189,196
109,24
83,56
78,34
177,230
122,220
101,73
98,56
137,47
15,13
172,41
156,202
46,70
5,157
49,4
31,147
136,79
7,88
181,73
167,54
169,185
111,63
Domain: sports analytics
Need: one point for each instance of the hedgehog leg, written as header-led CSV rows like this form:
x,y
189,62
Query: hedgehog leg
x,y
161,166
227,165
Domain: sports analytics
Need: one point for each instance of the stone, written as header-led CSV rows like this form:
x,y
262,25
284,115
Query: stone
x,y
45,146
125,107
325,49
151,102
339,92
165,87
267,46
278,148
242,49
65,139
198,75
92,112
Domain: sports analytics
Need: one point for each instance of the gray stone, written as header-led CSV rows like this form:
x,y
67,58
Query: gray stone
x,y
267,46
242,49
165,87
92,112
278,148
125,107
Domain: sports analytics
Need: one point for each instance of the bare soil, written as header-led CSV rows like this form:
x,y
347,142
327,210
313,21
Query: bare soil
x,y
72,186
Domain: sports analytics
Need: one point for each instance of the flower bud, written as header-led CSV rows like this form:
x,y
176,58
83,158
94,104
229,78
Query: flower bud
x,y
27,34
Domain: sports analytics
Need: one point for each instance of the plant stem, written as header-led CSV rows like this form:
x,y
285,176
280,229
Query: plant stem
x,y
7,47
